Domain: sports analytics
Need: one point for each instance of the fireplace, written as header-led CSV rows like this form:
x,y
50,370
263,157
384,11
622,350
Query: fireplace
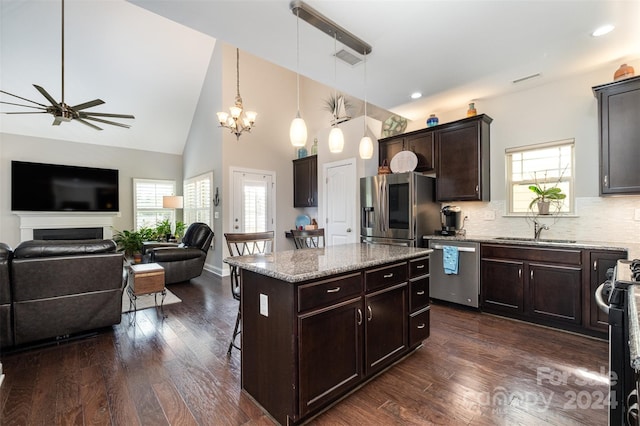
x,y
63,226
68,234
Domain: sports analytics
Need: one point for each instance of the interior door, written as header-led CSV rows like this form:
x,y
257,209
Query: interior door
x,y
253,197
340,202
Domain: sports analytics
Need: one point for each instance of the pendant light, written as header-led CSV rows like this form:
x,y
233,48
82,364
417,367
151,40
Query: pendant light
x,y
366,145
336,138
298,129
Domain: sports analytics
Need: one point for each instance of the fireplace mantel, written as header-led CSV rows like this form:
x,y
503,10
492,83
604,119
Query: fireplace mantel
x,y
56,220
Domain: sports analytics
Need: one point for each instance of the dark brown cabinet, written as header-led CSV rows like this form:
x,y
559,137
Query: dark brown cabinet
x,y
305,182
329,363
419,308
502,286
619,128
462,167
420,142
537,284
458,152
598,263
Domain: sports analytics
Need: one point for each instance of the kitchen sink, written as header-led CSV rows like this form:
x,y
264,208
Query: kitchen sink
x,y
541,240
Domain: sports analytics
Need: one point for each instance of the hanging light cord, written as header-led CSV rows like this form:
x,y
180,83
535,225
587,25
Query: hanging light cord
x,y
238,71
335,78
62,102
298,57
365,94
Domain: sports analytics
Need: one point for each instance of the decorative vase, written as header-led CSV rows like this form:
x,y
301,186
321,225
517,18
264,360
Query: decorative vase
x,y
543,207
314,147
432,120
302,152
472,110
625,71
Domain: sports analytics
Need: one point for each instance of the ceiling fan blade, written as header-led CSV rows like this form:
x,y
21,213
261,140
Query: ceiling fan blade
x,y
106,121
24,99
26,112
47,95
89,104
88,124
26,106
105,114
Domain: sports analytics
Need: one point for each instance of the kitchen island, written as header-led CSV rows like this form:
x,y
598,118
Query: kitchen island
x,y
318,323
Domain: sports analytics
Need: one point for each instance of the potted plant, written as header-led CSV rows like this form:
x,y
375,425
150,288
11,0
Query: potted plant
x,y
544,196
163,230
180,228
130,242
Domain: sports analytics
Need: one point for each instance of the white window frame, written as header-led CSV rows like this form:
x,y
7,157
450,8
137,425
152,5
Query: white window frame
x,y
198,208
164,187
561,173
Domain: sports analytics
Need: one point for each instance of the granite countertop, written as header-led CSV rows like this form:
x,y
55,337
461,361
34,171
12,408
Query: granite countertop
x,y
552,242
634,326
301,265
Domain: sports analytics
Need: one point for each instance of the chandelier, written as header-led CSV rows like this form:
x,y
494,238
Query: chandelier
x,y
237,119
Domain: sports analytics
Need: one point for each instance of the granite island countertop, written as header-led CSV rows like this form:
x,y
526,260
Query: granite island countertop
x,y
301,265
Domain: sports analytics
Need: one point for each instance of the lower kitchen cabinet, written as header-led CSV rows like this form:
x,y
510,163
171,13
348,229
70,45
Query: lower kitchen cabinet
x,y
330,345
598,263
502,286
549,285
307,344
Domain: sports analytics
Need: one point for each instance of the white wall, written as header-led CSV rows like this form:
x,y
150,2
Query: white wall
x,y
131,163
554,111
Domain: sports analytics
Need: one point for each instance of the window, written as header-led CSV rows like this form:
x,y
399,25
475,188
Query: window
x,y
549,164
147,202
197,199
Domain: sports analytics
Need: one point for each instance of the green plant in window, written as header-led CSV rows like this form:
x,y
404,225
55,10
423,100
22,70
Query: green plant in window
x,y
546,194
163,229
180,226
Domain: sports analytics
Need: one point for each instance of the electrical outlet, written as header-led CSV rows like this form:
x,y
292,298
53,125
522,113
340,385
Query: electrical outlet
x,y
490,215
216,215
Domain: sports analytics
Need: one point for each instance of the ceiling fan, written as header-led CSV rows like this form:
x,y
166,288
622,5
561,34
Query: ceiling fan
x,y
63,112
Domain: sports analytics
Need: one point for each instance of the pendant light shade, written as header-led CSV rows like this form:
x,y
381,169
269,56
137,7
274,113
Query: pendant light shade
x,y
366,148
298,129
298,132
336,140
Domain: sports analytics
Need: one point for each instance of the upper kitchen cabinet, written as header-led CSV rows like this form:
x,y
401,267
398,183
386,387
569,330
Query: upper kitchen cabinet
x,y
420,142
462,165
305,182
619,127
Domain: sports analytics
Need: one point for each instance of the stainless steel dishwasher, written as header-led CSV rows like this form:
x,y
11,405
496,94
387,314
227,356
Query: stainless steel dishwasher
x,y
463,287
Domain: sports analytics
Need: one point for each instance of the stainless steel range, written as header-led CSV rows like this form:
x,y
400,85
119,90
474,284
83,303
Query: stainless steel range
x,y
613,297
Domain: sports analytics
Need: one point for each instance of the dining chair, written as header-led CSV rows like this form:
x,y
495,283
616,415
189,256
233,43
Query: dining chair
x,y
241,244
311,238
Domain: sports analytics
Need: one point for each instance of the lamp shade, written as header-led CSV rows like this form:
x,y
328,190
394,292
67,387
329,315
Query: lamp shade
x,y
366,148
336,140
298,132
172,201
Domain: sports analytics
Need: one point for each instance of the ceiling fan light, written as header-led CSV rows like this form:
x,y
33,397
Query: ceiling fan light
x,y
366,148
298,132
336,140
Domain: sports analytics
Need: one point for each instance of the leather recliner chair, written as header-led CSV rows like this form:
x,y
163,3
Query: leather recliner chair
x,y
62,288
186,260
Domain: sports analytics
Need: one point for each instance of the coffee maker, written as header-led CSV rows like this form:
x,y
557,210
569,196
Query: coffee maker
x,y
451,217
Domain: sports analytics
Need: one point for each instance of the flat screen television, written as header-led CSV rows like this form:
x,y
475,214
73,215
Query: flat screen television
x,y
56,187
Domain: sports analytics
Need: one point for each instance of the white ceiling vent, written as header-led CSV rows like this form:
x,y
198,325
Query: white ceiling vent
x,y
348,57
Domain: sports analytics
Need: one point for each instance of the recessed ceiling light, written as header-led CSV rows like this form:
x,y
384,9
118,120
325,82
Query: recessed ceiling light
x,y
416,95
605,29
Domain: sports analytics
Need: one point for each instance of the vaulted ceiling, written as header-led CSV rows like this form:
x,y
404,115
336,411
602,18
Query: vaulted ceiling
x,y
149,57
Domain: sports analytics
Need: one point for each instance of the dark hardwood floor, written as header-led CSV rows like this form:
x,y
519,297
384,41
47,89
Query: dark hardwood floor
x,y
475,369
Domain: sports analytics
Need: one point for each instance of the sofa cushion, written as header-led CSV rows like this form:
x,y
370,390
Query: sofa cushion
x,y
50,248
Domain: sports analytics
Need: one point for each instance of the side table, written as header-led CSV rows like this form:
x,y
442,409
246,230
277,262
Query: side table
x,y
146,278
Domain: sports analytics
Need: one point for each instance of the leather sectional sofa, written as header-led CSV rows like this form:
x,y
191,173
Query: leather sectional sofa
x,y
56,289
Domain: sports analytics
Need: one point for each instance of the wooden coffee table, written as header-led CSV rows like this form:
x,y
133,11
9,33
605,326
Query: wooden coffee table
x,y
146,278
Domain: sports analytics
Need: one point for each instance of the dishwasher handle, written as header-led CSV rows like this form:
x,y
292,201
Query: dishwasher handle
x,y
466,249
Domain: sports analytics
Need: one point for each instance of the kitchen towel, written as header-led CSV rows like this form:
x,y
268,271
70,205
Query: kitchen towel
x,y
450,259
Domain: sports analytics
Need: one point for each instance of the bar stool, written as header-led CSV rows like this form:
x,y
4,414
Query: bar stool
x,y
311,238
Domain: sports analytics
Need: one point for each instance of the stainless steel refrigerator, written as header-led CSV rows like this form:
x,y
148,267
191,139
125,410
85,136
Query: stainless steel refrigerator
x,y
398,209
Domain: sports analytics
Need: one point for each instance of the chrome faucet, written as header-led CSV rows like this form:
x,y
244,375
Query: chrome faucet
x,y
537,229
